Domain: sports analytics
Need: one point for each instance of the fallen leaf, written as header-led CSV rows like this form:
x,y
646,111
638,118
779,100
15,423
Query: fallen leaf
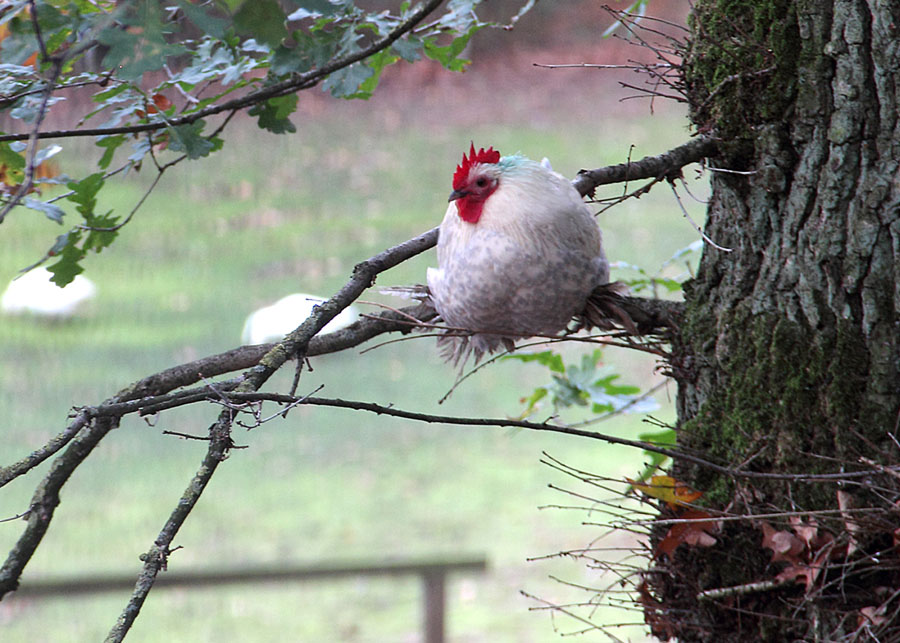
x,y
785,546
696,531
656,616
796,572
845,504
872,616
806,531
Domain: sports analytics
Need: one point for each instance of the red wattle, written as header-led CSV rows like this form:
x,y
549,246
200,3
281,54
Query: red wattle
x,y
469,210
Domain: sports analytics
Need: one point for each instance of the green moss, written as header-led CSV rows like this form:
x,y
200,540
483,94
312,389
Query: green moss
x,y
778,394
741,65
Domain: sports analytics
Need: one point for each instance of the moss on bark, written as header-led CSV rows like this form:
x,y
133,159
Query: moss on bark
x,y
788,360
740,69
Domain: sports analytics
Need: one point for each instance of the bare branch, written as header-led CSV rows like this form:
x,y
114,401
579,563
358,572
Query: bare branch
x,y
295,344
650,167
156,559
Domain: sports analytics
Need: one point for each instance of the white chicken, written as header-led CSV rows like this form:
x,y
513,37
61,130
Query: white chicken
x,y
272,323
519,254
33,293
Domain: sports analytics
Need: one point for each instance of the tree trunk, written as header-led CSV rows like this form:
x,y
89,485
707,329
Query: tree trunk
x,y
789,355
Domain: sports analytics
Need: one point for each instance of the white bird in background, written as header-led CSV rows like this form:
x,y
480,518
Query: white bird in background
x,y
519,253
272,323
34,293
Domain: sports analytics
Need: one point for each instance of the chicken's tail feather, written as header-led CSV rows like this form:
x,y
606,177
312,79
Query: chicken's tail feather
x,y
604,310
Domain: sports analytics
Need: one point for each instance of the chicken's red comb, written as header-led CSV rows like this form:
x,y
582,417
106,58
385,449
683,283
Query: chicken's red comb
x,y
490,155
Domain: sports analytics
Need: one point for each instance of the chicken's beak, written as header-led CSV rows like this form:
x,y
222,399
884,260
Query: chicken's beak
x,y
457,194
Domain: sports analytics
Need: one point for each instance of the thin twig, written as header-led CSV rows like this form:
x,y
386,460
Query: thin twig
x,y
693,223
33,136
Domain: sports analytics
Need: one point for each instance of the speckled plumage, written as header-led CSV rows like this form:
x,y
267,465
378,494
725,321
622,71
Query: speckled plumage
x,y
525,267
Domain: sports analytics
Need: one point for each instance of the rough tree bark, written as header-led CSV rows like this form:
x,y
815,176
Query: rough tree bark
x,y
789,355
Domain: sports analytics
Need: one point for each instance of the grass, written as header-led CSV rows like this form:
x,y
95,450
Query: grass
x,y
266,217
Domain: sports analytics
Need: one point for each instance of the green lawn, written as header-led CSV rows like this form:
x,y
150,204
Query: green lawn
x,y
265,217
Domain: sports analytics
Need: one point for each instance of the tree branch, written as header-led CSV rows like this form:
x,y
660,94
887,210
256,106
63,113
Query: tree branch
x,y
157,558
650,167
87,429
649,315
295,344
235,399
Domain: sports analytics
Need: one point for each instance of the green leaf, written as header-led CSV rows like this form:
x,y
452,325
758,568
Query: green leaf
x,y
109,144
546,358
12,165
141,148
208,24
345,83
84,193
273,114
460,16
579,385
567,393
261,19
20,44
448,55
292,60
106,94
606,384
313,9
52,212
68,266
99,238
28,108
142,46
531,401
190,140
664,438
409,48
50,19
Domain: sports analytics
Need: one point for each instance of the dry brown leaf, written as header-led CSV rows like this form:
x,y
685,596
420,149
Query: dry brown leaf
x,y
655,614
805,531
785,546
697,533
873,616
797,572
845,504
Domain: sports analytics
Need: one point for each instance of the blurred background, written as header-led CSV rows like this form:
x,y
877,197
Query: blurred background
x,y
271,215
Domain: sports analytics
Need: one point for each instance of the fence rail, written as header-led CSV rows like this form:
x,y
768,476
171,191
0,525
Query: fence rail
x,y
433,574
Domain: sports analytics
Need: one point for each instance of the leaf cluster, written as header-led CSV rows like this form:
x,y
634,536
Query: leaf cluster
x,y
161,71
588,384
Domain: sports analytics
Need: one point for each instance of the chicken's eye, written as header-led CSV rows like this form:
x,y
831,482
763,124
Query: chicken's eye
x,y
482,182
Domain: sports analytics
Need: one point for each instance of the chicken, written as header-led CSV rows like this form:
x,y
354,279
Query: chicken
x,y
519,254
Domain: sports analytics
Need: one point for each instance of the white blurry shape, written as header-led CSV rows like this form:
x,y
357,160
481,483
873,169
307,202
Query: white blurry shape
x,y
34,293
272,323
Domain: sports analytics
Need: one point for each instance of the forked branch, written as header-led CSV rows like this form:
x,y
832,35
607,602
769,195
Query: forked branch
x,y
88,427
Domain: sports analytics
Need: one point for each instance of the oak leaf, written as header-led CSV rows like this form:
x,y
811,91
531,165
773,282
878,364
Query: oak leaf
x,y
785,546
696,530
666,488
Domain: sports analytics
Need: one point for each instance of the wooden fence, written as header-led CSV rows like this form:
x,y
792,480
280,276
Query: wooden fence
x,y
433,574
